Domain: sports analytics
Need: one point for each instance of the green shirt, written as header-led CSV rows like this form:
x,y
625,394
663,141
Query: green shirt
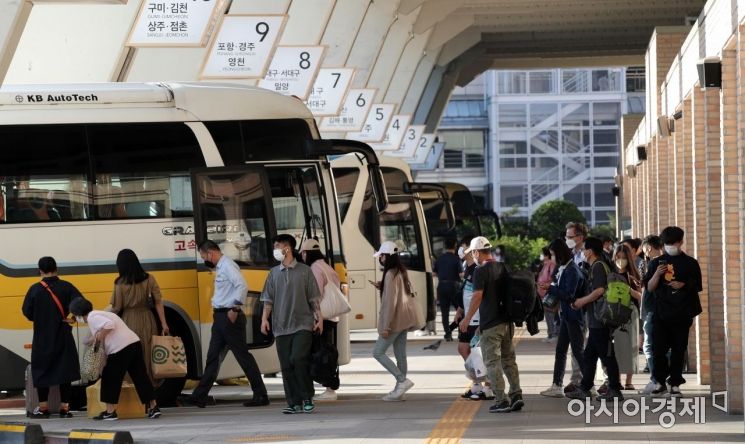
x,y
294,295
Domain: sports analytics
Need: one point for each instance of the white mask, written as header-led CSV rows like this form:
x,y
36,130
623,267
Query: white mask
x,y
461,253
498,258
79,319
571,243
543,258
621,263
279,255
672,250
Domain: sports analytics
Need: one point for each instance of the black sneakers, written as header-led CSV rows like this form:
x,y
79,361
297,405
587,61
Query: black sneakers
x,y
154,413
659,390
504,406
106,416
65,413
516,403
38,413
257,401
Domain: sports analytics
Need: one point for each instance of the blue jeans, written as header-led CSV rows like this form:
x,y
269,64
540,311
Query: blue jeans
x,y
648,344
570,332
398,340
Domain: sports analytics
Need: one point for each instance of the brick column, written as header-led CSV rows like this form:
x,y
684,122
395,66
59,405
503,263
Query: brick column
x,y
664,161
699,249
740,109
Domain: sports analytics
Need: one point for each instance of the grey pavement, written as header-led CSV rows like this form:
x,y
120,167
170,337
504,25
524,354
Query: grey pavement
x,y
359,416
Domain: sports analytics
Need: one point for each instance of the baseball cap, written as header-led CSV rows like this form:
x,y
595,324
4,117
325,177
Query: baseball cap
x,y
386,247
310,245
478,243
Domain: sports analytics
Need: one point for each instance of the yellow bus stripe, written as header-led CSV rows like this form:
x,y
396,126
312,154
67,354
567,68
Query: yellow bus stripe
x,y
455,421
77,434
12,428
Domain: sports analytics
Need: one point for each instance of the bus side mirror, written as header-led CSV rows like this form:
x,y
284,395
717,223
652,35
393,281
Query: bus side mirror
x,y
378,187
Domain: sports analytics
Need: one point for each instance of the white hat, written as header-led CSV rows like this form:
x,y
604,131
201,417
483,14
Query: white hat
x,y
478,243
386,247
310,245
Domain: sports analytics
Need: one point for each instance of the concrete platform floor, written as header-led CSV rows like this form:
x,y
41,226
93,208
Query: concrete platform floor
x,y
433,411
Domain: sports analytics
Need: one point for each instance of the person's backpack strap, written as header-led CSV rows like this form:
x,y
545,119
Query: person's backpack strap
x,y
55,299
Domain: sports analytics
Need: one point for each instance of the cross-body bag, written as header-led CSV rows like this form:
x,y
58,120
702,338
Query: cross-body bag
x,y
55,299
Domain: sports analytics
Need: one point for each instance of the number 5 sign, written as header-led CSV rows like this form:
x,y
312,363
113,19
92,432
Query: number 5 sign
x,y
243,46
293,69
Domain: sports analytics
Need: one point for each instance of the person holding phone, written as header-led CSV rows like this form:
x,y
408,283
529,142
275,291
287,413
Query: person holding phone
x,y
54,357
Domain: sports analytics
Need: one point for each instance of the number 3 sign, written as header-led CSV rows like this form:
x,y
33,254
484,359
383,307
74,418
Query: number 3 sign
x,y
243,46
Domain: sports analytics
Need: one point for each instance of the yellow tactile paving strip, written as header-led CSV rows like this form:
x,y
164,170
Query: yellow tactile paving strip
x,y
455,421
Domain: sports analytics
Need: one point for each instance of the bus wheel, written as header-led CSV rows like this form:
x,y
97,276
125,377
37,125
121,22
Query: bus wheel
x,y
169,391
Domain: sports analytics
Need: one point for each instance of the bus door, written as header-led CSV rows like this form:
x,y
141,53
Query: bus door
x,y
232,209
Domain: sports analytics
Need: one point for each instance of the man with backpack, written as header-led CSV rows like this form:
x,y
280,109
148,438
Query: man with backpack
x,y
675,280
599,340
497,329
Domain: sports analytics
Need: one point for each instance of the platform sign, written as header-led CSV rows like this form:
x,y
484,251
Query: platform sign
x,y
376,124
328,91
423,149
353,113
293,70
173,23
411,141
243,47
394,134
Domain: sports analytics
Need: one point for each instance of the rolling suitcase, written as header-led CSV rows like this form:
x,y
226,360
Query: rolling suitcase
x,y
32,397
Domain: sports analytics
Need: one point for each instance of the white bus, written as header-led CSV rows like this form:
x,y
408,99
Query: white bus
x,y
87,170
364,229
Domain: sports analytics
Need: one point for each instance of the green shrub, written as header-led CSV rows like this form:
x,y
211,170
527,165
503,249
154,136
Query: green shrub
x,y
520,251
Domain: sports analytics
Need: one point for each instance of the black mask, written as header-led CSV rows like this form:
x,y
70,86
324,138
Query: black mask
x,y
209,264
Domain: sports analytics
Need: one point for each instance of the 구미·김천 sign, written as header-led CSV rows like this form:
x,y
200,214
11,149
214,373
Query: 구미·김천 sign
x,y
328,91
376,124
293,69
173,22
353,113
242,47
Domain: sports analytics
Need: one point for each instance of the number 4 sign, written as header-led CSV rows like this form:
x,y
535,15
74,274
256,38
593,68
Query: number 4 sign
x,y
243,46
394,134
293,69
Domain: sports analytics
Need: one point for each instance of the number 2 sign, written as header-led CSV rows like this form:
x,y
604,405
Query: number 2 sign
x,y
243,46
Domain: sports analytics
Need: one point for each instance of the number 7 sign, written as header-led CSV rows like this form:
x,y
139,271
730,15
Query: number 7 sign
x,y
328,91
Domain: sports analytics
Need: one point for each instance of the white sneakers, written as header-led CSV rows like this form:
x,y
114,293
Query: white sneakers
x,y
550,340
398,392
649,388
328,395
555,391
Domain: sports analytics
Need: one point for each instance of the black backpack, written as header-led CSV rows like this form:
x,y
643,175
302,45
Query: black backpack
x,y
521,296
324,363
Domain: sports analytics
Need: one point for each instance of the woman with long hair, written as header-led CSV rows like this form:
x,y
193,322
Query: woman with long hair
x,y
395,319
625,338
312,256
135,294
567,285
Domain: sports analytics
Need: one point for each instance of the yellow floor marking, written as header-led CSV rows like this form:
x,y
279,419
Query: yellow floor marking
x,y
455,421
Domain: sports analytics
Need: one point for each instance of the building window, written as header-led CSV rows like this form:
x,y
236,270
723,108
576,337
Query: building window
x,y
574,81
606,80
575,114
636,79
507,147
544,115
513,116
463,149
581,195
544,142
541,82
511,196
510,82
606,114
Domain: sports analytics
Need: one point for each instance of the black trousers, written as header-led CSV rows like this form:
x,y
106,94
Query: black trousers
x,y
447,296
226,334
294,351
599,346
329,337
65,390
671,336
130,359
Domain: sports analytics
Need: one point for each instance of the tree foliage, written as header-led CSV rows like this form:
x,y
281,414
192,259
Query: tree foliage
x,y
550,219
520,251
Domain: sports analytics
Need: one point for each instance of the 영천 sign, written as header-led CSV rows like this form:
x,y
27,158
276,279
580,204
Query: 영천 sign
x,y
173,23
353,113
328,91
377,122
293,69
243,46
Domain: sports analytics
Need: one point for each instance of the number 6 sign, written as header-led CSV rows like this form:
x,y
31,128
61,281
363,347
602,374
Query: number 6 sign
x,y
243,46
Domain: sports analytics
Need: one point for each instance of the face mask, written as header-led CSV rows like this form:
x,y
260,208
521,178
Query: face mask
x,y
461,253
79,319
672,250
279,254
621,263
209,264
498,259
543,258
571,243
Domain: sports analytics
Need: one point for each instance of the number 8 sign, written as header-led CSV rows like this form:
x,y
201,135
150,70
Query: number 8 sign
x,y
293,70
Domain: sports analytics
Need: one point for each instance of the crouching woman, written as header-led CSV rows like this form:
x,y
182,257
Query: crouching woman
x,y
124,355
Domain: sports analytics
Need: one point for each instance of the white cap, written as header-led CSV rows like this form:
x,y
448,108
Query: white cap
x,y
478,243
386,247
310,245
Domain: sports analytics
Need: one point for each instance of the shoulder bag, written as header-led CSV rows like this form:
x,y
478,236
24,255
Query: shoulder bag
x,y
333,303
94,360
